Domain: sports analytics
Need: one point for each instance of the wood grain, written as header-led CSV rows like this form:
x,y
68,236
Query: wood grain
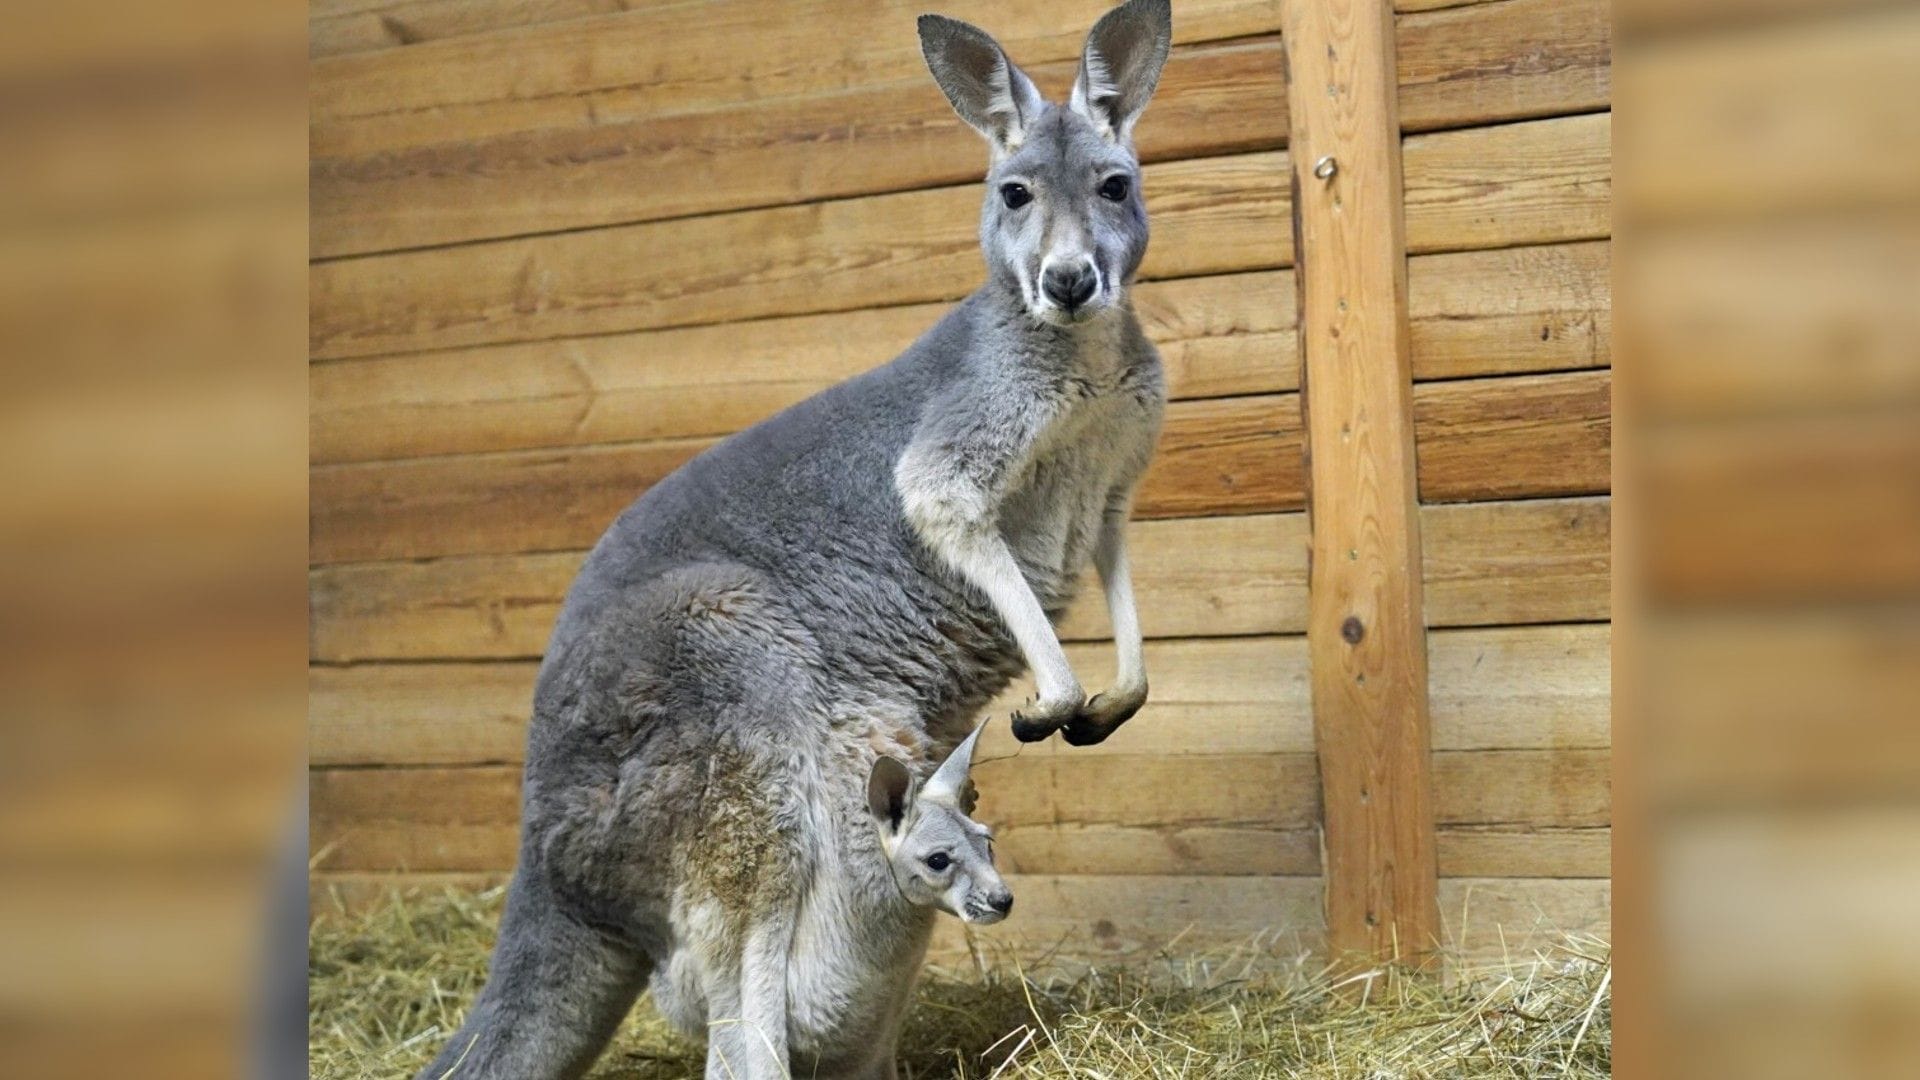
x,y
1365,629
1504,688
1486,564
1517,60
467,819
1485,63
1226,455
1539,182
365,25
669,58
1507,311
1532,435
1212,100
1215,215
1482,439
1513,184
1510,311
1491,564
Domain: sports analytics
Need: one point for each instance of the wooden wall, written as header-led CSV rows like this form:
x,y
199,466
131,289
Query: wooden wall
x,y
561,247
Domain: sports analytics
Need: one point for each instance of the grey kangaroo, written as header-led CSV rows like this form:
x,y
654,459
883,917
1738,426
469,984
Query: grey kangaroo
x,y
714,800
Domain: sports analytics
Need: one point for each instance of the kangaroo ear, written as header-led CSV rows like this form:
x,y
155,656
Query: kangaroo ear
x,y
889,794
988,92
1121,65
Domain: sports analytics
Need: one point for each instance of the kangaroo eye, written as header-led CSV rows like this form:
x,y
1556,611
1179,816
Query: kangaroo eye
x,y
1015,195
938,861
1114,189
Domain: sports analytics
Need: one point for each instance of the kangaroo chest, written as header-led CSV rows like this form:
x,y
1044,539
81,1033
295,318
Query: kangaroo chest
x,y
1052,518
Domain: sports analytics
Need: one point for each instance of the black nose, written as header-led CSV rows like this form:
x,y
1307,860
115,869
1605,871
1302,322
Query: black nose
x,y
1002,903
1069,286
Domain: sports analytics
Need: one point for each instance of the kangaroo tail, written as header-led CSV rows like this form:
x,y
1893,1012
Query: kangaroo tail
x,y
556,992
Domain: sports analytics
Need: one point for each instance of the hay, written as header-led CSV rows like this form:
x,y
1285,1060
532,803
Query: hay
x,y
387,986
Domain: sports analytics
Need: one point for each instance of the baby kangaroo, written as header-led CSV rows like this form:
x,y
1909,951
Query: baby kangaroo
x,y
845,583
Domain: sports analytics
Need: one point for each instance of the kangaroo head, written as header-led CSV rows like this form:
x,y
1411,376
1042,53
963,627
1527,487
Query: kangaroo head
x,y
940,857
1063,224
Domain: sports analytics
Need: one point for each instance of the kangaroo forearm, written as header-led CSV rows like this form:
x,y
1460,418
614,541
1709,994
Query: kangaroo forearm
x,y
1116,580
985,561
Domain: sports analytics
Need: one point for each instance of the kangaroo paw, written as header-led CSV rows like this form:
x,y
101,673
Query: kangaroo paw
x,y
1036,720
1102,716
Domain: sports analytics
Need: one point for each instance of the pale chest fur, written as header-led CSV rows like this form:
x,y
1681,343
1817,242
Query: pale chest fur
x,y
1090,456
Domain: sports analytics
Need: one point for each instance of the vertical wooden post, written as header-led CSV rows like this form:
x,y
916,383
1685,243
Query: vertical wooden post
x,y
1365,631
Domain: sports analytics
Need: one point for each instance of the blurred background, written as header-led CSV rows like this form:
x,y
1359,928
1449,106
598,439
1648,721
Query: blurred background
x,y
153,545
1768,539
152,501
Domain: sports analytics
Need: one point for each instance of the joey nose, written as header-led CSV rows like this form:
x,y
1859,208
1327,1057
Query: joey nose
x,y
1069,284
1002,903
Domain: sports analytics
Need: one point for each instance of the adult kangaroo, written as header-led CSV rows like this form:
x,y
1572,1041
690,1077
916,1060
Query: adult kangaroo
x,y
854,578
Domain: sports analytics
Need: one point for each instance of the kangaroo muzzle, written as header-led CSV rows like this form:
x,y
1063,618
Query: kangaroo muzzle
x,y
1069,284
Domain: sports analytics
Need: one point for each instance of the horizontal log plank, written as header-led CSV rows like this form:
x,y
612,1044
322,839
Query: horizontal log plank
x,y
1493,187
1516,437
670,58
1486,564
1494,564
335,27
1504,852
367,25
1541,687
1518,60
1212,100
1484,63
1510,311
1224,455
1218,336
467,819
1216,215
1233,851
1538,182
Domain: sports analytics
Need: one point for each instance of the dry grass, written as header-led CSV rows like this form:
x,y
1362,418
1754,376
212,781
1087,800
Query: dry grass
x,y
386,987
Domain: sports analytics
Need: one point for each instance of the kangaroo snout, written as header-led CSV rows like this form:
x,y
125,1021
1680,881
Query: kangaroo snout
x,y
1001,902
1070,283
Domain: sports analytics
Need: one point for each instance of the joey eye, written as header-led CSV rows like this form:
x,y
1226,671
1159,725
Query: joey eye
x,y
1115,188
938,861
1015,195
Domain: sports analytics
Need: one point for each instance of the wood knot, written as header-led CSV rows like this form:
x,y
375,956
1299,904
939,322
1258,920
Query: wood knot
x,y
1351,631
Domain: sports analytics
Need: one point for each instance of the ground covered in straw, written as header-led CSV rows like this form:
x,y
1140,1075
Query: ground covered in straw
x,y
387,986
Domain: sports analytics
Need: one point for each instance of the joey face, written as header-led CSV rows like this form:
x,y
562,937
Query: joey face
x,y
939,857
944,860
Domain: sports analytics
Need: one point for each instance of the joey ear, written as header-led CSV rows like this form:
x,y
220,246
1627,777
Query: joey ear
x,y
990,94
948,784
889,794
1120,65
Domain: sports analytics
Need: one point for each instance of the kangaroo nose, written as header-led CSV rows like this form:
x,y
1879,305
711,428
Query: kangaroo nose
x,y
1069,285
1002,903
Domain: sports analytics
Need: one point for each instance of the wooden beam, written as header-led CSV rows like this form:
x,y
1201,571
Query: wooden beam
x,y
1365,631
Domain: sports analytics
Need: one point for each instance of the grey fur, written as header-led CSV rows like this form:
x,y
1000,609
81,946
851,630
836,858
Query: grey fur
x,y
849,581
